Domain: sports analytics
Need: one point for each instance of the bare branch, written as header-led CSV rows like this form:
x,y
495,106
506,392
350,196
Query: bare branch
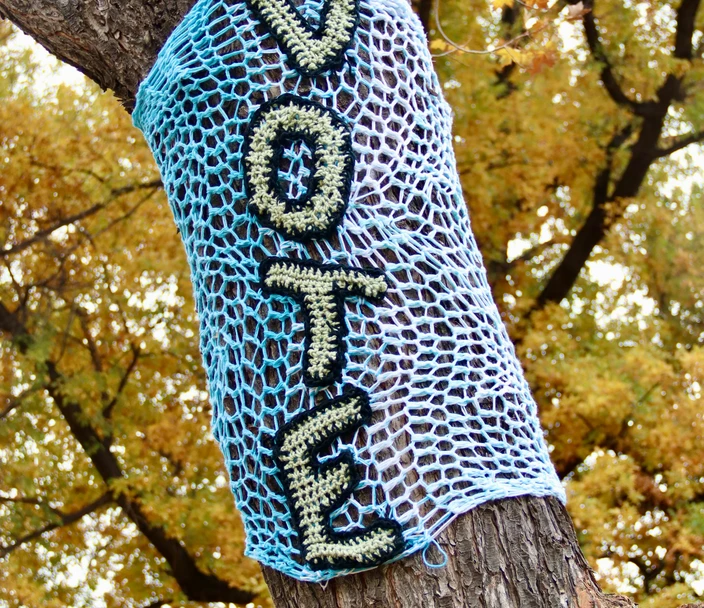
x,y
423,9
65,171
125,216
525,34
46,232
64,519
686,21
92,346
27,500
10,323
680,144
537,250
13,403
67,332
136,352
608,77
76,217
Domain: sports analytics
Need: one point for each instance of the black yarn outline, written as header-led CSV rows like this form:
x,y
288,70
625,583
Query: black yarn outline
x,y
287,100
354,479
339,295
331,64
279,144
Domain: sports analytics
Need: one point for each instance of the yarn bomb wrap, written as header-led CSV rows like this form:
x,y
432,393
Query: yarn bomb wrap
x,y
364,389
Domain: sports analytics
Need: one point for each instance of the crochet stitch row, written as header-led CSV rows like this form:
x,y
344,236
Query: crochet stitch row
x,y
311,51
315,490
321,289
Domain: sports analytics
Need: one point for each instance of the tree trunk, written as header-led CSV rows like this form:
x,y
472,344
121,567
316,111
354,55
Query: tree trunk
x,y
507,554
520,552
114,43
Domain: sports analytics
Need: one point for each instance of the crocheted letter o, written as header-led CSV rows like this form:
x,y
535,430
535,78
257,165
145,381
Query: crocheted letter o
x,y
277,124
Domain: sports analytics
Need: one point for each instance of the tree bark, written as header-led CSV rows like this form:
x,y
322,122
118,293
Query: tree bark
x,y
113,42
520,552
507,554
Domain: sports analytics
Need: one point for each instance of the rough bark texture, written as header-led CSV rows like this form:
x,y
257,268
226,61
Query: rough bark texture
x,y
113,42
516,553
509,554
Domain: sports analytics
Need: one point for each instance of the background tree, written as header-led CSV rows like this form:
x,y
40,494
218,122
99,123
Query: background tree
x,y
104,424
107,458
597,189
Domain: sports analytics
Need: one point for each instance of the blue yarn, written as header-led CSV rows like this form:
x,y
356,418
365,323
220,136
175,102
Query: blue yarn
x,y
443,554
454,424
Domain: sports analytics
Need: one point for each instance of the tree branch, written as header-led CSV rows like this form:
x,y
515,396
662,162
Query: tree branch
x,y
513,26
608,77
423,8
118,53
642,155
686,21
64,519
95,357
13,403
26,500
10,323
46,232
197,585
694,138
136,352
76,217
535,251
588,236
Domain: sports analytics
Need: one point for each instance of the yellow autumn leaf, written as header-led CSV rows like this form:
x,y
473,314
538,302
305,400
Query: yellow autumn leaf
x,y
440,45
502,3
507,56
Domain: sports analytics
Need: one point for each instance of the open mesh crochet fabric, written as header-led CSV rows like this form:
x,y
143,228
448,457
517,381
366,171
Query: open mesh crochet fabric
x,y
444,420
